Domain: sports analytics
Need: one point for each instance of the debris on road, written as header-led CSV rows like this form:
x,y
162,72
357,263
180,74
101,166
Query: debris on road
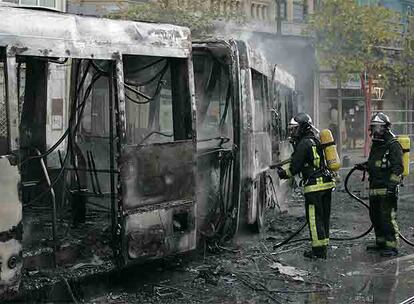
x,y
295,274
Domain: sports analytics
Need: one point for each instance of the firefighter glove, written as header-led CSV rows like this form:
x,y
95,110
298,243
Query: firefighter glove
x,y
282,173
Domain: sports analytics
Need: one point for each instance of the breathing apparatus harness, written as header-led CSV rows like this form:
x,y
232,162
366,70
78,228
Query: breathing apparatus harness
x,y
323,169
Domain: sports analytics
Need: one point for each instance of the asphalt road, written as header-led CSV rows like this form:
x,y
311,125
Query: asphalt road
x,y
249,270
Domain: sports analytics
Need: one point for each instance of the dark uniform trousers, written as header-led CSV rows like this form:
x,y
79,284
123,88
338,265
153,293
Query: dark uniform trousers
x,y
308,159
382,211
318,211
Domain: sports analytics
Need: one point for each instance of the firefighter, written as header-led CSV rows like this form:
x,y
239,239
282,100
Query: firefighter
x,y
385,168
309,161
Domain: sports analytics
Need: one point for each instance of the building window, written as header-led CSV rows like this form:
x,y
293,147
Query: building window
x,y
238,7
47,3
253,11
264,12
43,3
298,11
11,1
28,2
305,8
282,9
229,7
410,10
223,7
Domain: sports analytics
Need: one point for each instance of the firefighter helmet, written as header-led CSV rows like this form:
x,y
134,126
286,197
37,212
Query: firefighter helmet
x,y
380,119
300,124
379,124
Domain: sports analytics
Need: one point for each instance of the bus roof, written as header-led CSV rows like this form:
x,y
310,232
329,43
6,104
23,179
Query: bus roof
x,y
252,58
51,34
258,62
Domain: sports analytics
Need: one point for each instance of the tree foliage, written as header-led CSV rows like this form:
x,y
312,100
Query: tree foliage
x,y
200,16
368,40
351,38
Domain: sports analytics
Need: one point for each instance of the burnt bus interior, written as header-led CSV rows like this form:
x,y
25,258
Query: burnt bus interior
x,y
66,182
217,135
88,196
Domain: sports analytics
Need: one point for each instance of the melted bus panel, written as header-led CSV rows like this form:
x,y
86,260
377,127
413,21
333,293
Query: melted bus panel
x,y
157,159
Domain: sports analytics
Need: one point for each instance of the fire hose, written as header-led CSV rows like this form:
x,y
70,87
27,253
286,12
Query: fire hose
x,y
289,239
366,205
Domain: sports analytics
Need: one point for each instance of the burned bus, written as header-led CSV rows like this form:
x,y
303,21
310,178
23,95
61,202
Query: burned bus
x,y
243,106
98,153
114,151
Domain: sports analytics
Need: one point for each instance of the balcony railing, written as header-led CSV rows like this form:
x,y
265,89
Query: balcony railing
x,y
288,28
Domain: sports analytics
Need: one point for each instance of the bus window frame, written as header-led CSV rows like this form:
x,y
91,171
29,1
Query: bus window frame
x,y
12,100
264,96
181,101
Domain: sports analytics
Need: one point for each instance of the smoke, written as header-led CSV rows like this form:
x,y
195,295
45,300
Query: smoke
x,y
291,52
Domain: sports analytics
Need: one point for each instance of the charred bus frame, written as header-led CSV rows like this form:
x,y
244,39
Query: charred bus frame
x,y
250,102
141,169
133,163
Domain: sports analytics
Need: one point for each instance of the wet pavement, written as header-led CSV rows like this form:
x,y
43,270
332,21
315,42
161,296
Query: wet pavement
x,y
249,270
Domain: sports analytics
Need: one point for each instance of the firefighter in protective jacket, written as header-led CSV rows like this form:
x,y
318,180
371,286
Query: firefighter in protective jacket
x,y
385,168
308,160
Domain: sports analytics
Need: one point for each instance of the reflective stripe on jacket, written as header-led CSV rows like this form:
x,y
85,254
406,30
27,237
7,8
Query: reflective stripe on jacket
x,y
309,160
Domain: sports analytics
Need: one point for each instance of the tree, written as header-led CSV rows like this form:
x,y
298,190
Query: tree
x,y
200,16
351,38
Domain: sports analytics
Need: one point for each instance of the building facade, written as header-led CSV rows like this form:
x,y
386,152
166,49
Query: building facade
x,y
342,108
291,13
